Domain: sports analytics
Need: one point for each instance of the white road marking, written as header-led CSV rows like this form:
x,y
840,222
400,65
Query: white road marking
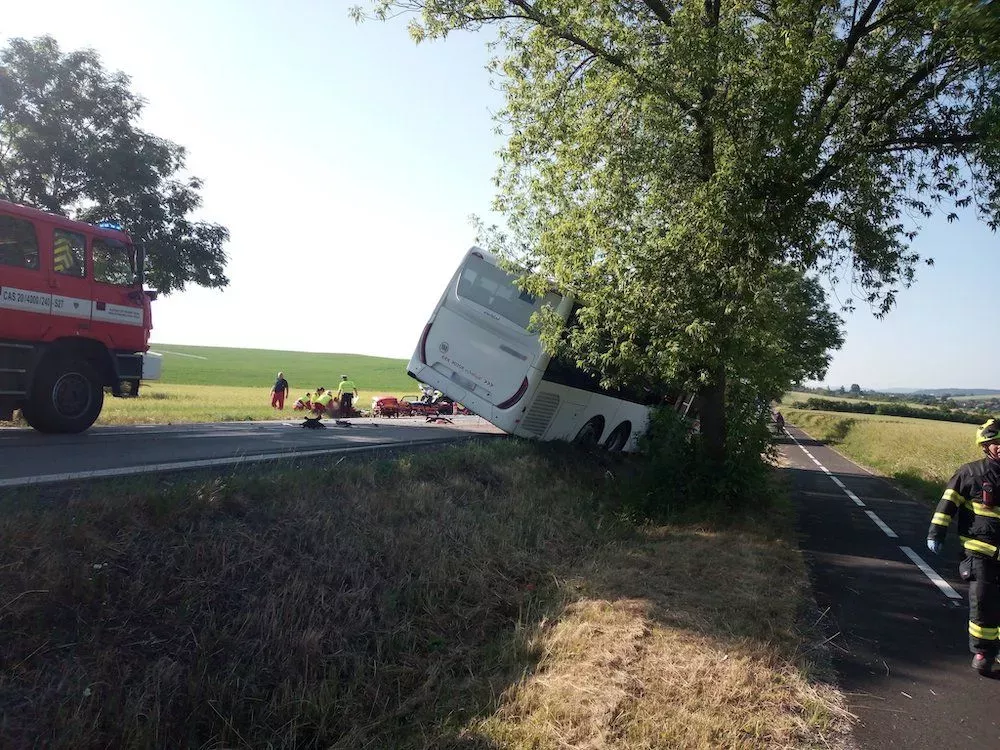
x,y
203,463
926,569
881,524
857,500
179,354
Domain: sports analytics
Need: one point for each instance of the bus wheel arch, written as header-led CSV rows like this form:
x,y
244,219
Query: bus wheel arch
x,y
619,438
590,434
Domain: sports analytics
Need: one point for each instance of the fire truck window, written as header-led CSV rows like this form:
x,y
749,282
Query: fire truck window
x,y
113,263
18,243
69,253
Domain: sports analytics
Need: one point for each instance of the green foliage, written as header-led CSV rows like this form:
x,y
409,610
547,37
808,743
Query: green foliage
x,y
71,144
668,163
680,479
894,410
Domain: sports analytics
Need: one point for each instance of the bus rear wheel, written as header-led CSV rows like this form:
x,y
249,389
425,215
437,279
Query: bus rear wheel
x,y
590,434
618,439
66,398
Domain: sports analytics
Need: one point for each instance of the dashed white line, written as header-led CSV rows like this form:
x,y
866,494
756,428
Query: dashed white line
x,y
882,525
926,569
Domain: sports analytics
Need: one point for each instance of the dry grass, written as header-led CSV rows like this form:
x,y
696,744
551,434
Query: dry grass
x,y
660,650
179,404
483,597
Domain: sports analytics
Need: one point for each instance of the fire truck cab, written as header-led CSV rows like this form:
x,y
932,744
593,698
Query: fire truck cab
x,y
74,318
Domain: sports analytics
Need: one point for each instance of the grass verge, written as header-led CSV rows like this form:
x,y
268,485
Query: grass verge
x,y
921,455
485,596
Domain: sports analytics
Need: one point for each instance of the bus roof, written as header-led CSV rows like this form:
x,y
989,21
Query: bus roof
x,y
61,221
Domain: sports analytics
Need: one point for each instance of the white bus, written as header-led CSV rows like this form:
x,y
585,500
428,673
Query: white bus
x,y
477,350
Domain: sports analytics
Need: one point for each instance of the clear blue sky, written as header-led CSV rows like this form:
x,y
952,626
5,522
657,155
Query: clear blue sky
x,y
328,147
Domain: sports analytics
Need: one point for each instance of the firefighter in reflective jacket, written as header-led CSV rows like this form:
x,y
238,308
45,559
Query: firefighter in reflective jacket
x,y
974,494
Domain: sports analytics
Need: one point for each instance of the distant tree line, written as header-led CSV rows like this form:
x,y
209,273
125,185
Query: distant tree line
x,y
944,399
942,414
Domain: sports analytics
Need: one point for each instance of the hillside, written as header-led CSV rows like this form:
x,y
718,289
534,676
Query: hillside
x,y
203,365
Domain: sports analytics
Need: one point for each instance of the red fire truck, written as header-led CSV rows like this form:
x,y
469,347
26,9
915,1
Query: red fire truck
x,y
74,318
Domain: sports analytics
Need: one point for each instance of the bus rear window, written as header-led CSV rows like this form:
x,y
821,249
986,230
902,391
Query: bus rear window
x,y
493,288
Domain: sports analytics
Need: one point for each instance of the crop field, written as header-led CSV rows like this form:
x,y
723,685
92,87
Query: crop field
x,y
169,404
256,368
919,454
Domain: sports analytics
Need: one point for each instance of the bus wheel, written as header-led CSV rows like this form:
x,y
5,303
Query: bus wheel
x,y
589,434
619,438
66,397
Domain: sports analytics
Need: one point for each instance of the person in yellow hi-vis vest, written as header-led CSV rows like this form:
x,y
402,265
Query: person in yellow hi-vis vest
x,y
319,407
346,391
62,255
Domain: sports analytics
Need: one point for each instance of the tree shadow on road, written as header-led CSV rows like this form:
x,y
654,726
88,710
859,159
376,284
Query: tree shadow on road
x,y
899,643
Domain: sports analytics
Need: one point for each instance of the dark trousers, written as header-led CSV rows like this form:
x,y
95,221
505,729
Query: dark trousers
x,y
346,401
984,605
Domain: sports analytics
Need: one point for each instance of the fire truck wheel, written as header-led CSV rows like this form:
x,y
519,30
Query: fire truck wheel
x,y
67,398
28,413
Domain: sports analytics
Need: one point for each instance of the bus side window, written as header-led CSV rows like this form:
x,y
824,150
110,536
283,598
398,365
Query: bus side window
x,y
113,263
69,253
18,243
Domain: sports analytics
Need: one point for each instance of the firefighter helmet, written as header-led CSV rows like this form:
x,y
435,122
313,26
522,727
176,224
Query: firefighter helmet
x,y
988,431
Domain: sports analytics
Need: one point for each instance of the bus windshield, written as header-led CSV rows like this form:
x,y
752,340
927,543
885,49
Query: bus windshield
x,y
493,288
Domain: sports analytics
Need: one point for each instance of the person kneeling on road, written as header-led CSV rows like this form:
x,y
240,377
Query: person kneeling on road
x,y
318,408
303,403
972,493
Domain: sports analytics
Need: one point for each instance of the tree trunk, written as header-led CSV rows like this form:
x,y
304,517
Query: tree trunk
x,y
712,406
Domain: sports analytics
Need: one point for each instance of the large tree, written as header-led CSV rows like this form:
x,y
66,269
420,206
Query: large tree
x,y
70,143
665,156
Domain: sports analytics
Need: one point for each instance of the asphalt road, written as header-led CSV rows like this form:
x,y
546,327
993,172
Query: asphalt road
x,y
28,457
899,639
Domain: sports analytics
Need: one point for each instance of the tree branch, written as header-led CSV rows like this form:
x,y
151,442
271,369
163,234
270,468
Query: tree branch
x,y
859,29
533,14
660,11
928,140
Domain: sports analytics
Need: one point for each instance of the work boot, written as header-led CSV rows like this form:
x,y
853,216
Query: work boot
x,y
983,663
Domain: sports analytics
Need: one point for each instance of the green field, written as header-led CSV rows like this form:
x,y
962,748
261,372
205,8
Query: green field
x,y
215,384
204,365
919,454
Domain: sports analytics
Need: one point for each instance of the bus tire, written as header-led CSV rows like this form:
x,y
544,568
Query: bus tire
x,y
618,439
590,434
67,397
